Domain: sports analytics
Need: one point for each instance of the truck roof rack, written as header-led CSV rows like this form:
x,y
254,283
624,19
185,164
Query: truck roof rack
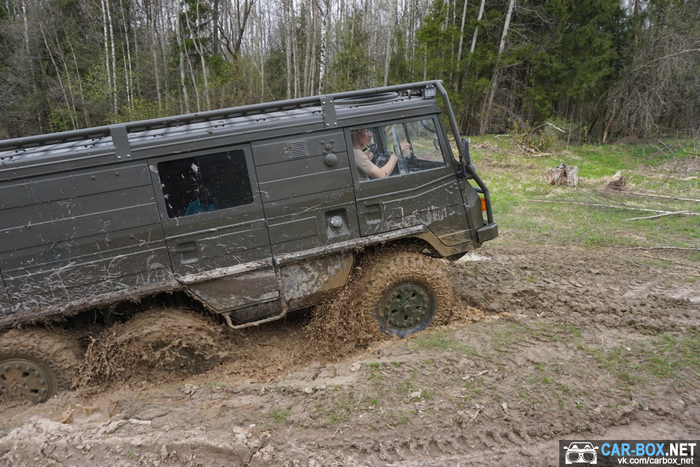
x,y
327,104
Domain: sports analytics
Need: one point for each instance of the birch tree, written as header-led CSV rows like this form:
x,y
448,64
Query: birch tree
x,y
486,117
324,9
289,37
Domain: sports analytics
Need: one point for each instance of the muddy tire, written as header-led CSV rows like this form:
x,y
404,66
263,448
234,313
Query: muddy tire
x,y
150,346
36,364
406,292
174,340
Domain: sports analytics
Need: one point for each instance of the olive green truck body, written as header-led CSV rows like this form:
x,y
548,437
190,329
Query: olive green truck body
x,y
251,211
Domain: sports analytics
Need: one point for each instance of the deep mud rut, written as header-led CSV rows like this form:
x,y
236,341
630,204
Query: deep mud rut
x,y
571,343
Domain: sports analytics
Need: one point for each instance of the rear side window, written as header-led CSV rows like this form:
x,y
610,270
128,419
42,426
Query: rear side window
x,y
196,185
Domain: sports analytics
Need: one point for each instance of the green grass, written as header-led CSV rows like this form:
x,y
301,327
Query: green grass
x,y
503,338
443,340
666,357
553,381
279,414
528,210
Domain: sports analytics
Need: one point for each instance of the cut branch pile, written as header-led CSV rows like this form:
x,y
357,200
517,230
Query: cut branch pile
x,y
617,183
531,140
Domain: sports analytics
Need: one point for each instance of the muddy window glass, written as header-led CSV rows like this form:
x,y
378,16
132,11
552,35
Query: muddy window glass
x,y
396,149
205,183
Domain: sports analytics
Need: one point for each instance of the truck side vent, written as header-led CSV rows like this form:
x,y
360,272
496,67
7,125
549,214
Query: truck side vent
x,y
296,149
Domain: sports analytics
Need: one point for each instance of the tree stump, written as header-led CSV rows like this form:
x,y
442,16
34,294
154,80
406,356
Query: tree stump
x,y
564,175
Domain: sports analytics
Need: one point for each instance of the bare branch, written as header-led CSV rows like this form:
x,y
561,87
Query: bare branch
x,y
664,58
610,206
665,214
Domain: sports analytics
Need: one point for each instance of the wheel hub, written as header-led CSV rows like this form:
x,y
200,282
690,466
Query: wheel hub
x,y
23,380
406,305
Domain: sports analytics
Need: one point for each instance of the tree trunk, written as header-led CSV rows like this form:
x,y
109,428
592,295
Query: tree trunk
x,y
486,116
114,58
511,5
183,82
80,85
64,91
390,31
312,62
458,84
476,29
128,72
307,52
156,69
164,53
25,26
288,44
324,8
295,51
105,38
197,42
215,28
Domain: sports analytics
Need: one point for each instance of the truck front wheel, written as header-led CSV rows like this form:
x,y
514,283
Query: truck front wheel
x,y
407,292
36,364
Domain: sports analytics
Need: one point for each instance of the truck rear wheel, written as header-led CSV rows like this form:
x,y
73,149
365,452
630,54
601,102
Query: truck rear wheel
x,y
407,292
36,364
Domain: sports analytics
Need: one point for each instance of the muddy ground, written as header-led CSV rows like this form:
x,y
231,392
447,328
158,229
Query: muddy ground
x,y
569,343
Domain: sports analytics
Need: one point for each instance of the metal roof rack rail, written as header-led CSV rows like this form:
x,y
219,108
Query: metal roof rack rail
x,y
326,102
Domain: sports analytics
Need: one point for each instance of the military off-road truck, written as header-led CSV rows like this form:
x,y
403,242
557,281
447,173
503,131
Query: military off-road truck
x,y
244,214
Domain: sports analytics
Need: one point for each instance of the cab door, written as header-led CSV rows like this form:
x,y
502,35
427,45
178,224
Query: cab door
x,y
5,304
215,228
421,190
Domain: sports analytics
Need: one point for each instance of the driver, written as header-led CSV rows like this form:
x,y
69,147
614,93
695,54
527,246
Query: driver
x,y
361,139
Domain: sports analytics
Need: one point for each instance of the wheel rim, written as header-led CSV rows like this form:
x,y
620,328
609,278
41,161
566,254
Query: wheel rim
x,y
406,306
24,380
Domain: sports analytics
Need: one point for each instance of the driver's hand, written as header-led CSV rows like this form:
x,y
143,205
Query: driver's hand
x,y
370,155
405,146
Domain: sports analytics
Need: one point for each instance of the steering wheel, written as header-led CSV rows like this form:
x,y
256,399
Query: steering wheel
x,y
402,164
379,159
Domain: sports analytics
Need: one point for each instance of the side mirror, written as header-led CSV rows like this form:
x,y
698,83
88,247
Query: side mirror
x,y
466,158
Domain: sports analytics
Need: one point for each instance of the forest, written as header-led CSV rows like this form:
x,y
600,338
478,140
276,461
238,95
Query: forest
x,y
600,70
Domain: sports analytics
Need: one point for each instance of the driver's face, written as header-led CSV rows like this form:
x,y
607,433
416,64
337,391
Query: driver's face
x,y
366,136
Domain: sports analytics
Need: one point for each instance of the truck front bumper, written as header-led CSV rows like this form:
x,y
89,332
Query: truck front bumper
x,y
487,232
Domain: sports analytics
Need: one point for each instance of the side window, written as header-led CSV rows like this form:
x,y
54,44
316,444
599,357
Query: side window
x,y
396,148
205,183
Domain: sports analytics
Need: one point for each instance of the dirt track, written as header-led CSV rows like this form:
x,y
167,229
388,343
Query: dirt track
x,y
573,343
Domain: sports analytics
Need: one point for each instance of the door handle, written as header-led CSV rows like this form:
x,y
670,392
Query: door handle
x,y
187,251
372,213
185,247
371,209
